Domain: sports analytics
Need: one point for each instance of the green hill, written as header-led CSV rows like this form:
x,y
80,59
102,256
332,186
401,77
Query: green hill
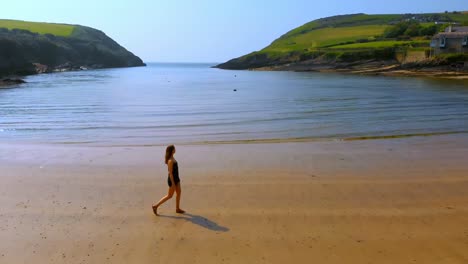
x,y
38,27
350,37
29,47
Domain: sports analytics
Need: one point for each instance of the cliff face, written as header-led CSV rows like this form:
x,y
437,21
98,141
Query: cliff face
x,y
23,52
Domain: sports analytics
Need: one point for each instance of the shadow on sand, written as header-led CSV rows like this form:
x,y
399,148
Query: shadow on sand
x,y
199,220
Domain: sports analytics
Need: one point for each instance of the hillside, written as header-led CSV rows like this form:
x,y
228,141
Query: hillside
x,y
38,27
31,47
350,38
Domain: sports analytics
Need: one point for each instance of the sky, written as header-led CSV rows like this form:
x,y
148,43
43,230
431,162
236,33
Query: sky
x,y
203,30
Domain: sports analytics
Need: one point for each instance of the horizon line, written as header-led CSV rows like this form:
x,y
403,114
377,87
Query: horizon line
x,y
186,62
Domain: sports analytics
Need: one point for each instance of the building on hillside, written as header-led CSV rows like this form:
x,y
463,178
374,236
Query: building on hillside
x,y
447,23
453,40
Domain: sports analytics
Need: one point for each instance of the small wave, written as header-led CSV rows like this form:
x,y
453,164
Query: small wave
x,y
98,143
316,139
404,135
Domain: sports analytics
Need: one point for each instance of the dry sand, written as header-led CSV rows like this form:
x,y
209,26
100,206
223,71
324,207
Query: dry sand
x,y
373,201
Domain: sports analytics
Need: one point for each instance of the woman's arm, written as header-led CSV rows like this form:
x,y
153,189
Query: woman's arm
x,y
170,164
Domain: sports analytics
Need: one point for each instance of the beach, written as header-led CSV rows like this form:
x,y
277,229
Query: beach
x,y
364,201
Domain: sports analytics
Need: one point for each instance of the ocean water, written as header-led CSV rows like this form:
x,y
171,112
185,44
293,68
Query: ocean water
x,y
195,104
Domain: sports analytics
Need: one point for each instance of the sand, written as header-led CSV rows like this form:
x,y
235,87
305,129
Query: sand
x,y
370,201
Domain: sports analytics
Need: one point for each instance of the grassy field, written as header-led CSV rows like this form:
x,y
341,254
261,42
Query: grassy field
x,y
349,31
342,21
460,17
381,44
37,27
325,37
360,19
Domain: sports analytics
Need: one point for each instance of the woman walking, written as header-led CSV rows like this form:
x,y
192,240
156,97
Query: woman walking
x,y
173,180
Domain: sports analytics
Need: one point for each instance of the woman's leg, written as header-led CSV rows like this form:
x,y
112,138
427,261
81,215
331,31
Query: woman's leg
x,y
178,193
164,199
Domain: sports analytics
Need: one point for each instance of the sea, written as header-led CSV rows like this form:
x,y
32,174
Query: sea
x,y
193,103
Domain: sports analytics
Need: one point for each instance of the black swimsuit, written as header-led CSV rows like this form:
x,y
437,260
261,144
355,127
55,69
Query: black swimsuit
x,y
175,173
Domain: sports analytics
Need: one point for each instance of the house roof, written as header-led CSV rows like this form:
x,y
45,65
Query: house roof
x,y
451,35
460,29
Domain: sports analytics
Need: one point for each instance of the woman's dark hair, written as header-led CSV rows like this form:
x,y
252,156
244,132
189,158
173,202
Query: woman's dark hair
x,y
169,152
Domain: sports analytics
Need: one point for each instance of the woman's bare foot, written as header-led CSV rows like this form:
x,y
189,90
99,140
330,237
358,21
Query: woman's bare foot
x,y
180,211
155,210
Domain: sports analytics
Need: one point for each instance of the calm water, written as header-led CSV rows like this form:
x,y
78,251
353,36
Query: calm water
x,y
192,103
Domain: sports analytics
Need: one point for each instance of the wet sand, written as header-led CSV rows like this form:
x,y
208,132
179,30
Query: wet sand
x,y
369,201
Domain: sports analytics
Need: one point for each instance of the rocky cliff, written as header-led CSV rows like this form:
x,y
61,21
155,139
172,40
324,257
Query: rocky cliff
x,y
25,52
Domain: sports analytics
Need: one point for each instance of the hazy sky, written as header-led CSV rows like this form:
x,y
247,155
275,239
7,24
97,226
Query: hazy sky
x,y
204,30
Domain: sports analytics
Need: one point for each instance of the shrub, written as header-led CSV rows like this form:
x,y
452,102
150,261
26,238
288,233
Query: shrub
x,y
453,58
412,30
333,55
310,55
396,30
405,30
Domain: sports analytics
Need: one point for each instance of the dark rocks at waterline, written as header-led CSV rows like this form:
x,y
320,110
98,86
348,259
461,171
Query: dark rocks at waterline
x,y
11,81
65,67
70,67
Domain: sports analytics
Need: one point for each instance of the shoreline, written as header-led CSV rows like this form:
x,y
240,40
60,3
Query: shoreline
x,y
368,67
11,80
94,144
56,154
387,69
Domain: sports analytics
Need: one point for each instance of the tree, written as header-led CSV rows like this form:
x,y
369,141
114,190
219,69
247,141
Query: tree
x,y
396,30
412,30
407,28
429,31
